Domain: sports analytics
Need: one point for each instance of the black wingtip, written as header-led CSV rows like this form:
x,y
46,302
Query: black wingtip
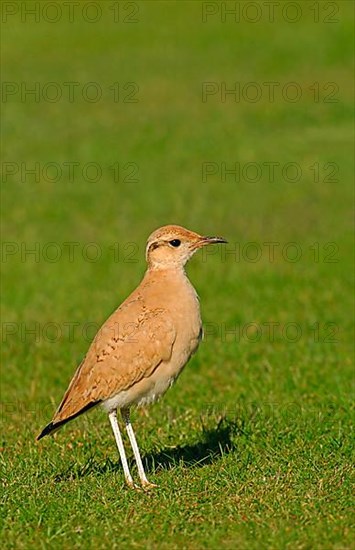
x,y
47,430
54,426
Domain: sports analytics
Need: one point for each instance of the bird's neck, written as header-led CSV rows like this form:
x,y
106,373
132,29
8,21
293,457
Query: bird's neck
x,y
167,276
161,270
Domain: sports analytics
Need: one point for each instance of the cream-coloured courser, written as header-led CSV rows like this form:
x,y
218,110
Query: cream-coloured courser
x,y
141,349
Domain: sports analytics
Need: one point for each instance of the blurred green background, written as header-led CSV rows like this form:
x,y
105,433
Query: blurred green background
x,y
252,447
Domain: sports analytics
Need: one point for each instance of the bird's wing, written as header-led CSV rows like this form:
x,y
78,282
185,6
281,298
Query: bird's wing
x,y
123,352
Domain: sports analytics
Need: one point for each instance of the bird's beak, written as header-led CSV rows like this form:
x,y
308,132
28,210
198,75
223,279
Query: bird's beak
x,y
203,241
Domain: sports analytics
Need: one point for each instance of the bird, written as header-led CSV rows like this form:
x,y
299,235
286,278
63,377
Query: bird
x,y
141,349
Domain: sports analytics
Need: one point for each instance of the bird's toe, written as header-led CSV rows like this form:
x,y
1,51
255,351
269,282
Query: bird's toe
x,y
146,485
130,483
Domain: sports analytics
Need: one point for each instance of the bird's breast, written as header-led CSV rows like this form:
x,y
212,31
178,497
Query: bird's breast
x,y
185,312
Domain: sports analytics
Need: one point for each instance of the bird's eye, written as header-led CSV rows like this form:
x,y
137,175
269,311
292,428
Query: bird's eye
x,y
175,243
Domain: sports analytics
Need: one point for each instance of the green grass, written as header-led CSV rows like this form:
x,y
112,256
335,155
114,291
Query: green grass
x,y
252,447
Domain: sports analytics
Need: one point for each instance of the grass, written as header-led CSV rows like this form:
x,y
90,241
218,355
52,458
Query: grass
x,y
252,447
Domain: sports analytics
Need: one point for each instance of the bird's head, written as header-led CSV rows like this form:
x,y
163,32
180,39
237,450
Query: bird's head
x,y
173,245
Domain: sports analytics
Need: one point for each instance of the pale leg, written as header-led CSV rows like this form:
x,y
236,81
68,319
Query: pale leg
x,y
132,438
116,430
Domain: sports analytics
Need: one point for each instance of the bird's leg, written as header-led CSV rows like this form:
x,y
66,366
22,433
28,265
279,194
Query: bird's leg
x,y
132,438
116,430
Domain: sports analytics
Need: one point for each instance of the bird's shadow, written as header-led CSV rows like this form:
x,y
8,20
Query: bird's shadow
x,y
214,444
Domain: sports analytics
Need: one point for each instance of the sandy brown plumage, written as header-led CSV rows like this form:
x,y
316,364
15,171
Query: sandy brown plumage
x,y
143,346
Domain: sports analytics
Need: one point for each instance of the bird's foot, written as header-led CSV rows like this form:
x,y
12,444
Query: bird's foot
x,y
130,483
146,485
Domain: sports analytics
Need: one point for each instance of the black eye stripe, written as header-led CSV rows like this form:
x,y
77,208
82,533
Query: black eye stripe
x,y
175,243
153,246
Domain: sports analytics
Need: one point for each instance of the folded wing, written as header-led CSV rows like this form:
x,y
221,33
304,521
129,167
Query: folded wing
x,y
122,353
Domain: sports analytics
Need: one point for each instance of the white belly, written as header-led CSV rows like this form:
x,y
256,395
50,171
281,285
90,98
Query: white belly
x,y
143,393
